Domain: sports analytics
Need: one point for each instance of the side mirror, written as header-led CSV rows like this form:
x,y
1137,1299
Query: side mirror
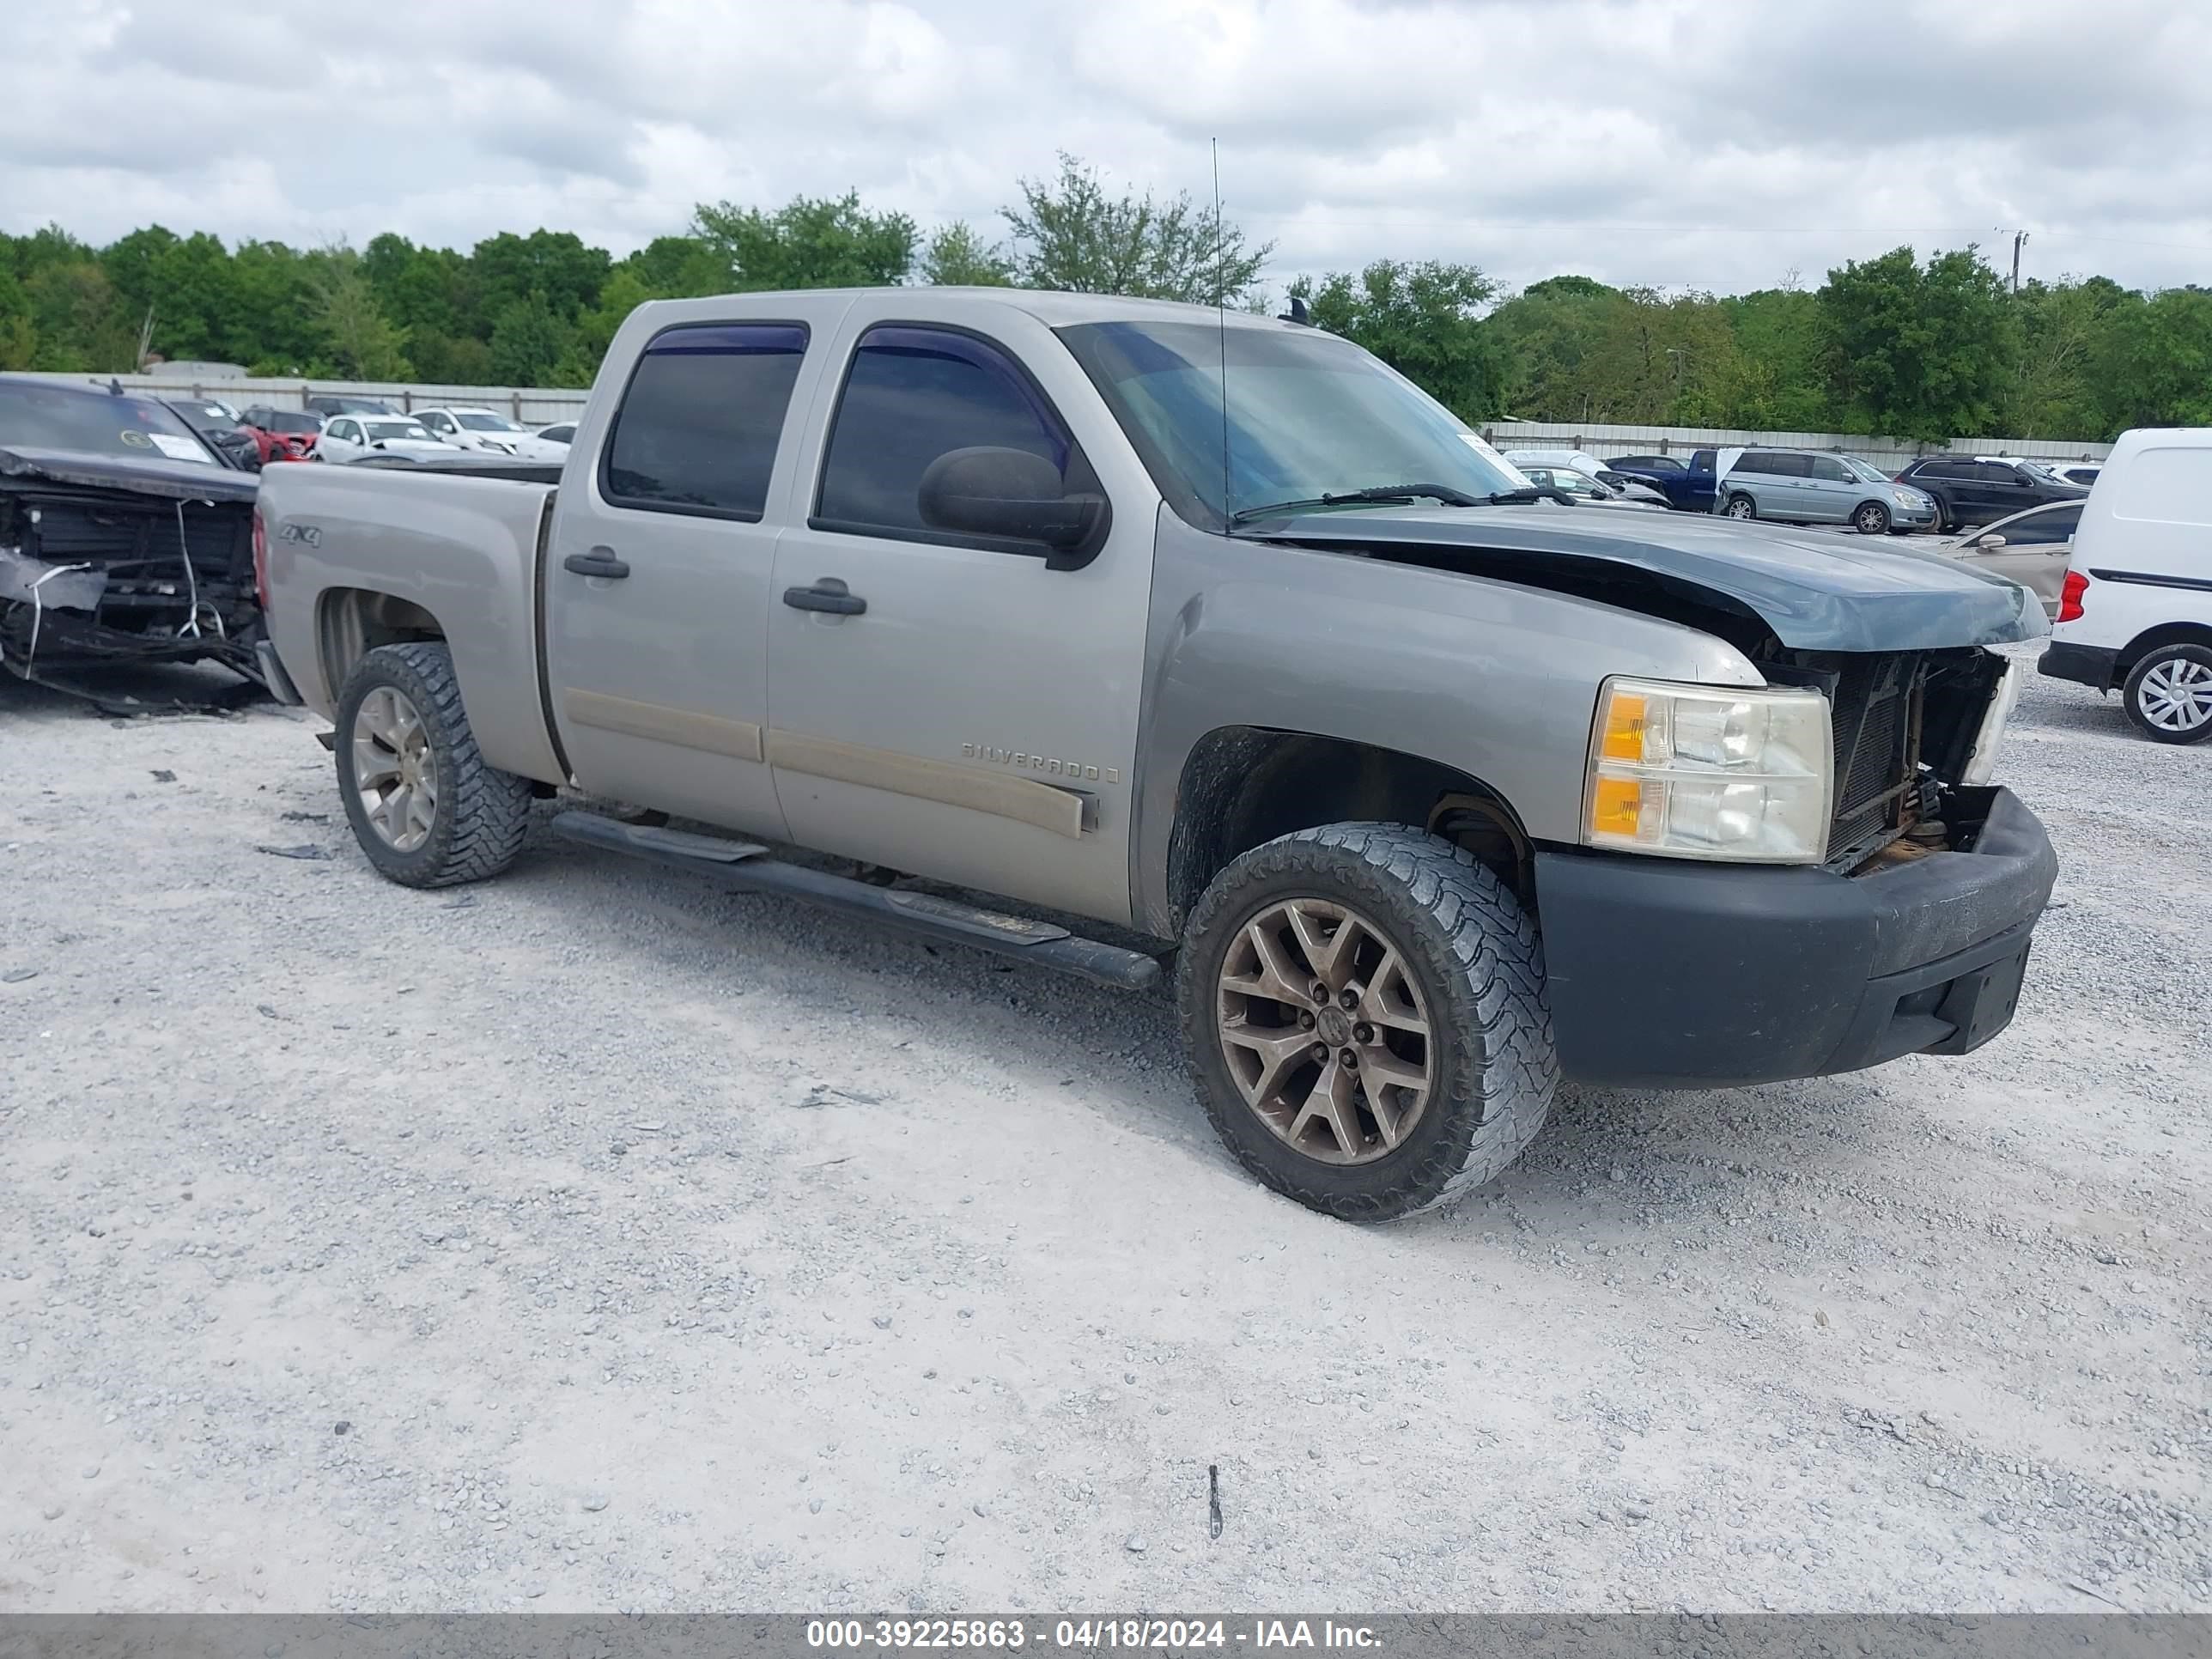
x,y
1993,542
1011,495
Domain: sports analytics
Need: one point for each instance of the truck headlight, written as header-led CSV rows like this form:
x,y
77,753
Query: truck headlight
x,y
1709,772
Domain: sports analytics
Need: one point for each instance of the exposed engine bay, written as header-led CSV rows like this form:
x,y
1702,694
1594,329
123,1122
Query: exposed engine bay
x,y
101,565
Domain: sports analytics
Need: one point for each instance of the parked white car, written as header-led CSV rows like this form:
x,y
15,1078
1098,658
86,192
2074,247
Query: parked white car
x,y
349,437
2136,610
561,432
1577,460
489,430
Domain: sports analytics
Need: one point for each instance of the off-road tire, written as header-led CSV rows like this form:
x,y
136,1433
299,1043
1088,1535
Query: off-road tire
x,y
1479,964
1738,498
482,813
2131,692
1870,519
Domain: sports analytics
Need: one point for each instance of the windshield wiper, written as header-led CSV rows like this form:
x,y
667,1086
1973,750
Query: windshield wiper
x,y
1531,496
1376,495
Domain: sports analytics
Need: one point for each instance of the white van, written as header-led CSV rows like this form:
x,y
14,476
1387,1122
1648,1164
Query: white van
x,y
2135,612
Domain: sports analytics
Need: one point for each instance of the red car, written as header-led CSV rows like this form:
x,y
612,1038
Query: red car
x,y
281,435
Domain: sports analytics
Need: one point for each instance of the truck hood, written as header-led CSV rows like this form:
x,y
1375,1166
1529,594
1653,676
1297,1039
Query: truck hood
x,y
1816,591
184,480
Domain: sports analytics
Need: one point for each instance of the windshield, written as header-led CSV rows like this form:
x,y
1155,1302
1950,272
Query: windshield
x,y
488,423
37,416
388,429
2040,472
1308,416
1864,470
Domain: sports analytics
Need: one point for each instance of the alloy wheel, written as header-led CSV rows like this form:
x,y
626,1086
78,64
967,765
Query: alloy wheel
x,y
1326,1034
393,771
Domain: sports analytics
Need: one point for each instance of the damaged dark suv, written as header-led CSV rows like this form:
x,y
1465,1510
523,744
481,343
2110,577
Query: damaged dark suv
x,y
123,539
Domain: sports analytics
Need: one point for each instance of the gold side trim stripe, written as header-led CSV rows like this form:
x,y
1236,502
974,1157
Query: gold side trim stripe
x,y
1022,799
738,739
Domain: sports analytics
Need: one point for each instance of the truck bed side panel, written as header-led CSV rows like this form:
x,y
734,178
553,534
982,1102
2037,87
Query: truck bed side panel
x,y
464,550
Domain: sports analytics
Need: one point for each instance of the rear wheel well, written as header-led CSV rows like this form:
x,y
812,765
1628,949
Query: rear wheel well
x,y
355,621
1244,786
2152,639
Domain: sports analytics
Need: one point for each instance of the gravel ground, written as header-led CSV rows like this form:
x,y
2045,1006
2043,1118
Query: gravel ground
x,y
594,1240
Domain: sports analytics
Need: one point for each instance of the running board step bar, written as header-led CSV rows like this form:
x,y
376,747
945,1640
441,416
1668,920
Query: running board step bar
x,y
746,866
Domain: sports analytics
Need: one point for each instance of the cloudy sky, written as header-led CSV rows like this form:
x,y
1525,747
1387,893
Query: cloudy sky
x,y
1707,143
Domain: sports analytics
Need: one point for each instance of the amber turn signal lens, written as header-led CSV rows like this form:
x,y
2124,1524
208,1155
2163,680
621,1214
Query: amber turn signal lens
x,y
1623,727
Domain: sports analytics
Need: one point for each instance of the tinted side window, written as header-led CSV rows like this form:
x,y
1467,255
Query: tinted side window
x,y
2056,525
1752,461
700,420
915,394
1828,467
1952,470
1701,461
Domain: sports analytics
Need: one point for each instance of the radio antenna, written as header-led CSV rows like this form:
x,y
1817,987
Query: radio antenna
x,y
1221,325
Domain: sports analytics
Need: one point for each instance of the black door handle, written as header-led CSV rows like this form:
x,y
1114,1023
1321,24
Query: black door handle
x,y
600,562
829,593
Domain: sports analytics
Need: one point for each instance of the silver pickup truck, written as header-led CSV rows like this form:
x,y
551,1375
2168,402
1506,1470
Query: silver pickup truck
x,y
1424,789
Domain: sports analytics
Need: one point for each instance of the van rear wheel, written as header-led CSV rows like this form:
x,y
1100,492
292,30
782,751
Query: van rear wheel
x,y
2168,693
1363,1008
1741,506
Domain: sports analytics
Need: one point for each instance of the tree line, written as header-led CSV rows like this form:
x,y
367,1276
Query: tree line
x,y
1894,345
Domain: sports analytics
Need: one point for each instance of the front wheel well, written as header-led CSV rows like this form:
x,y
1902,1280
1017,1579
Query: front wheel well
x,y
1244,786
352,622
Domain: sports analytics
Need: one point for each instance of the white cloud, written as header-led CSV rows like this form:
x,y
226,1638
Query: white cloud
x,y
1672,142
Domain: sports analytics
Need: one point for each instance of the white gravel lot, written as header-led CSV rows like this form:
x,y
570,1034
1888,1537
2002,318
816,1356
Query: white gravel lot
x,y
595,1240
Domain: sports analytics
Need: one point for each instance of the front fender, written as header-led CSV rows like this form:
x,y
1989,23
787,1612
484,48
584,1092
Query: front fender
x,y
1492,680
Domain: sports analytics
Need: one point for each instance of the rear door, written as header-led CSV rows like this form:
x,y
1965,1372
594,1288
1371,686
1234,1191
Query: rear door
x,y
943,703
657,581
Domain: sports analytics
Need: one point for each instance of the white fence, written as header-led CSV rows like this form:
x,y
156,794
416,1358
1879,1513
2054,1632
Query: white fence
x,y
1890,454
541,405
533,405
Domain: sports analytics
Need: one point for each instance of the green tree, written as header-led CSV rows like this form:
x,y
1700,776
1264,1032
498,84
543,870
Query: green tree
x,y
1783,353
830,243
958,257
1547,333
19,337
357,340
672,268
594,329
527,342
1425,321
79,322
1070,233
555,265
1921,351
2153,362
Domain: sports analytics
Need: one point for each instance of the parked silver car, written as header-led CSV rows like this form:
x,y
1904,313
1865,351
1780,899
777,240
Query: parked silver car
x,y
2031,548
1798,487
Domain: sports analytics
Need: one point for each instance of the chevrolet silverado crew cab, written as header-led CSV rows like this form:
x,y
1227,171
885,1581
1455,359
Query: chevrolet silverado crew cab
x,y
1425,789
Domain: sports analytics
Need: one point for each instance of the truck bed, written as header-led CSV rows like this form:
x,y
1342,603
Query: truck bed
x,y
359,555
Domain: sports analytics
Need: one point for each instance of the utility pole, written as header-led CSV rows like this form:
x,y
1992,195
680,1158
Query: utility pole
x,y
2018,237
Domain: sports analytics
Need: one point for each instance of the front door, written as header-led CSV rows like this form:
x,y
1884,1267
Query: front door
x,y
946,704
1830,492
657,585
